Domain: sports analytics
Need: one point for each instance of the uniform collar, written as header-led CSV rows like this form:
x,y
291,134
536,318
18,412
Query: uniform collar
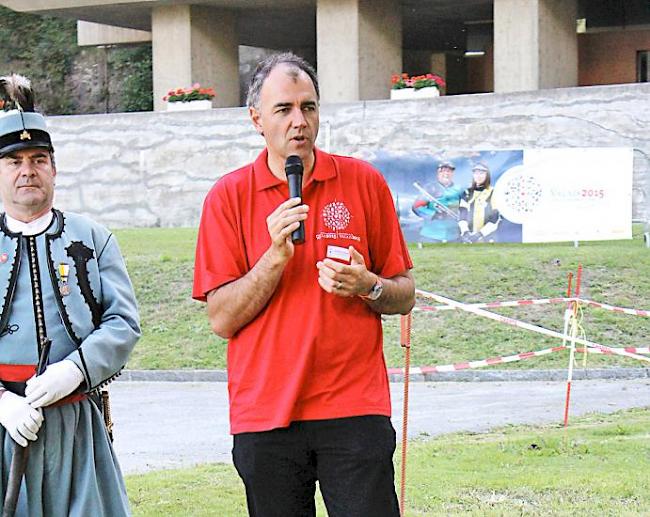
x,y
32,228
324,169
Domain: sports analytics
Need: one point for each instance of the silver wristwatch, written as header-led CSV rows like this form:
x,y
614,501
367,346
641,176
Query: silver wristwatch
x,y
375,292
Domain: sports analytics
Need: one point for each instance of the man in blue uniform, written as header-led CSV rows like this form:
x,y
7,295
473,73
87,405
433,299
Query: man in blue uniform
x,y
438,206
62,281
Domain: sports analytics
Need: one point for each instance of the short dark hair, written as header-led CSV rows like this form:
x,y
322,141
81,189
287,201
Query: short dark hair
x,y
264,68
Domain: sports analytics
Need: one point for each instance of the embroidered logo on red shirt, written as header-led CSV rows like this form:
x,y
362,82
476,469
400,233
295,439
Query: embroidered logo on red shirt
x,y
336,217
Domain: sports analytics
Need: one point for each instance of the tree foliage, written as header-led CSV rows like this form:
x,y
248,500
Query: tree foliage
x,y
44,49
133,65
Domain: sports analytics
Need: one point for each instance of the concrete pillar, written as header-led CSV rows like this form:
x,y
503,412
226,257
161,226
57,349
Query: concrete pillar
x,y
359,47
535,44
193,44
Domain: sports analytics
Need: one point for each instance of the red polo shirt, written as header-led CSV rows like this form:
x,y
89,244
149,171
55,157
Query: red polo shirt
x,y
308,354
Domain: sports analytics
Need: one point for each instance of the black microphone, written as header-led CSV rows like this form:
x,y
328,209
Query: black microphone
x,y
293,168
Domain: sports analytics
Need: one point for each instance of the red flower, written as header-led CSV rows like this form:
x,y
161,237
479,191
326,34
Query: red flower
x,y
417,81
192,93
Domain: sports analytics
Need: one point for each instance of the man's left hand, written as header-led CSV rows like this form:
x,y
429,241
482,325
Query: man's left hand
x,y
57,381
343,279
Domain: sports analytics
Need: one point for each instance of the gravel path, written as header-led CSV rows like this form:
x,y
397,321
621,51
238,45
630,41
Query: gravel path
x,y
171,424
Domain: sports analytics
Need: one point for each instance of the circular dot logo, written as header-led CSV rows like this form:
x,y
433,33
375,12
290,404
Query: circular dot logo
x,y
518,193
336,216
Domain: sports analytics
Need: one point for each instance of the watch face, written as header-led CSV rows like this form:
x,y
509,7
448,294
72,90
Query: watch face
x,y
376,291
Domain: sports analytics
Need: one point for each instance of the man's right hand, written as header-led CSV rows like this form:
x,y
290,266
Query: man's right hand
x,y
21,421
237,303
284,220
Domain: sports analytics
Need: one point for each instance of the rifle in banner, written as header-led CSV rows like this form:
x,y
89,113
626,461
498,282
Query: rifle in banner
x,y
436,202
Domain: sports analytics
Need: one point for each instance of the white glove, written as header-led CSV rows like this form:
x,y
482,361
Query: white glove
x,y
21,420
57,381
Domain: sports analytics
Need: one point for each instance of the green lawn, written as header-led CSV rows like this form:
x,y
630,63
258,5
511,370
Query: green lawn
x,y
598,466
176,333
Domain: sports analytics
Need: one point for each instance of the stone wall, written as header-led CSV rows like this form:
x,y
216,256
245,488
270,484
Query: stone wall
x,y
154,169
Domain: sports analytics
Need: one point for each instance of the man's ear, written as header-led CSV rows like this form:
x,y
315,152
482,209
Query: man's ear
x,y
255,118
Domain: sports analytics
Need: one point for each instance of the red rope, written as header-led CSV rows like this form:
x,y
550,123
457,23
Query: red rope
x,y
405,339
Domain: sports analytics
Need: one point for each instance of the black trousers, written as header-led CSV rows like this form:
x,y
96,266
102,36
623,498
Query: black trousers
x,y
352,459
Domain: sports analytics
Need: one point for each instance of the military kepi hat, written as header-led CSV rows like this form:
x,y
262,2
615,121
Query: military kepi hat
x,y
20,126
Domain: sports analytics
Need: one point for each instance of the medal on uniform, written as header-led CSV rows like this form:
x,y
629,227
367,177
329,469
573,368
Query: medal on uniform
x,y
64,272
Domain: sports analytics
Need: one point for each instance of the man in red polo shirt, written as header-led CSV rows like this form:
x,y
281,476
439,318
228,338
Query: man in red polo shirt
x,y
309,396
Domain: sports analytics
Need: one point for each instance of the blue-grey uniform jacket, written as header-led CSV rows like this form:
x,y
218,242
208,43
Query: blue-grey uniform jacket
x,y
90,310
74,275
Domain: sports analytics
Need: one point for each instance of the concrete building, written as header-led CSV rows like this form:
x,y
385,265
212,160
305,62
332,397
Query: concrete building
x,y
477,45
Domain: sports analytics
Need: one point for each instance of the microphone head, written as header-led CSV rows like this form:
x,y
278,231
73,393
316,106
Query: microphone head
x,y
293,165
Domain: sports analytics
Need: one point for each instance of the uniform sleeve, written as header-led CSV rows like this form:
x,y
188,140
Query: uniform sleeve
x,y
495,215
220,254
105,351
463,212
464,206
388,252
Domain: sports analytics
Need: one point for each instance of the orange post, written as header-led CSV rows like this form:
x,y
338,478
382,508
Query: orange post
x,y
572,349
405,341
570,373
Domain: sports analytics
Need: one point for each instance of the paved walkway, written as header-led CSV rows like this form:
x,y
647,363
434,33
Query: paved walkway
x,y
172,424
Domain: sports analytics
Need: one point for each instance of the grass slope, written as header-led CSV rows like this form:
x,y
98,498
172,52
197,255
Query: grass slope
x,y
176,333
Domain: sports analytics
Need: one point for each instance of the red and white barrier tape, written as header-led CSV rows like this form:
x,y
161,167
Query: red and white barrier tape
x,y
491,305
632,350
476,364
538,301
505,359
528,326
613,308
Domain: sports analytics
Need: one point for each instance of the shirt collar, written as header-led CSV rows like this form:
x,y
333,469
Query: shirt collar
x,y
32,228
324,169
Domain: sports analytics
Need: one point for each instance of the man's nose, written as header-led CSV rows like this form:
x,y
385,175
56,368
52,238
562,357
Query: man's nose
x,y
27,169
298,118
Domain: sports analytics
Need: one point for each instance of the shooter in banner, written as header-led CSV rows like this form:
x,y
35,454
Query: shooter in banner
x,y
64,290
478,215
437,204
309,396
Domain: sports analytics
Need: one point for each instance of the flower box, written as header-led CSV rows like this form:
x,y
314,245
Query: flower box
x,y
193,98
203,104
416,87
412,93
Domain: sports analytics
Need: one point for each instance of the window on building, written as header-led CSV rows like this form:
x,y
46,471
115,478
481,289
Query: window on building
x,y
642,69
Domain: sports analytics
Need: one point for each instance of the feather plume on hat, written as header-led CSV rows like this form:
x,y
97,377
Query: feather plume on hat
x,y
16,93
